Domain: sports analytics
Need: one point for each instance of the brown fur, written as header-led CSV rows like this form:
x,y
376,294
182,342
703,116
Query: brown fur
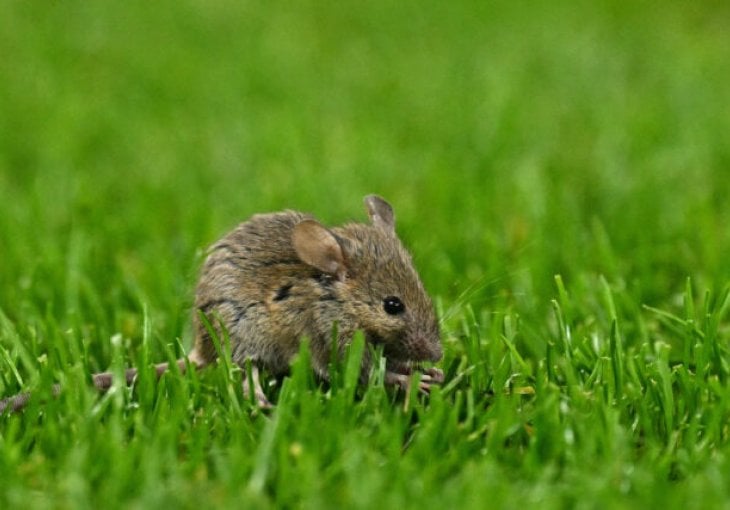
x,y
256,284
282,277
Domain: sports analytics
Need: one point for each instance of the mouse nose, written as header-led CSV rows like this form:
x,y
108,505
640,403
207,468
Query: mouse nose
x,y
437,352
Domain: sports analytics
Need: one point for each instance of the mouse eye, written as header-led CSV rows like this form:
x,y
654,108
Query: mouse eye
x,y
393,306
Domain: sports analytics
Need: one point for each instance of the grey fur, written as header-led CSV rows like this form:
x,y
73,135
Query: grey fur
x,y
281,277
270,285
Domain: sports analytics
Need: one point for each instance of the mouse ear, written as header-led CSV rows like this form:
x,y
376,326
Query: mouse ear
x,y
380,212
318,247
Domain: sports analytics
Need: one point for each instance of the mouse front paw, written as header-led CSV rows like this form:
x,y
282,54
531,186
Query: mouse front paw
x,y
436,375
404,381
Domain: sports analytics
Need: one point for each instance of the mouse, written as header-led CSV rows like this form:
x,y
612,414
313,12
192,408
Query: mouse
x,y
282,277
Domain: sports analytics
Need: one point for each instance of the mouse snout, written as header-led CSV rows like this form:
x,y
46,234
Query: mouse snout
x,y
423,346
437,352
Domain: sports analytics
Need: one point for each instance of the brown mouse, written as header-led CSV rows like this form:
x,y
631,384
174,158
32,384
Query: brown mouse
x,y
281,277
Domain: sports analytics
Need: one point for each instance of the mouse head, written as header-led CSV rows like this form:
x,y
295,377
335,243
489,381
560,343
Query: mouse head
x,y
375,285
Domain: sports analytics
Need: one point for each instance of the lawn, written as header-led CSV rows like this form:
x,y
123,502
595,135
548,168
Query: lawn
x,y
560,172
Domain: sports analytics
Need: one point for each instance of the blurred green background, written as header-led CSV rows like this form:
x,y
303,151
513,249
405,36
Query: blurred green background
x,y
516,141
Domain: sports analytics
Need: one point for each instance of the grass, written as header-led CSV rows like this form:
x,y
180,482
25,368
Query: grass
x,y
559,172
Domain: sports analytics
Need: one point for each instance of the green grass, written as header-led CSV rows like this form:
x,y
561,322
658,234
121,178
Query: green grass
x,y
586,140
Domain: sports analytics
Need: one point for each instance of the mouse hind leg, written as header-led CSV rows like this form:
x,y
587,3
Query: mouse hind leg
x,y
252,387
